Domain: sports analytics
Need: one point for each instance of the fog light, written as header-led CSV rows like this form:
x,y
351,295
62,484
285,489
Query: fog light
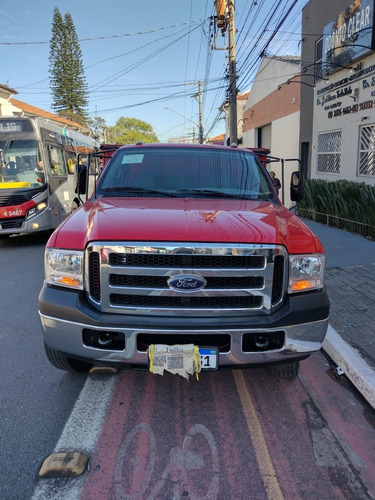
x,y
105,339
35,225
261,342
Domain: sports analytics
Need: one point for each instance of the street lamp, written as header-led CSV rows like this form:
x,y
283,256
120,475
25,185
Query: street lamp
x,y
195,123
288,82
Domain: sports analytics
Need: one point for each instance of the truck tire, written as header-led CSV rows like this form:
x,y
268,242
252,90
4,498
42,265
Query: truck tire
x,y
286,370
63,362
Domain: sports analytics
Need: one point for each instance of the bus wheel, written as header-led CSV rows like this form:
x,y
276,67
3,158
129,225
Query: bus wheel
x,y
286,370
63,362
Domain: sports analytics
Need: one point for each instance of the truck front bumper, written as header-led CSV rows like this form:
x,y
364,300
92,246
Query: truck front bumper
x,y
300,326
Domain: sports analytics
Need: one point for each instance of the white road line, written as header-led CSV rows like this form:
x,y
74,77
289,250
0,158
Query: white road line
x,y
81,434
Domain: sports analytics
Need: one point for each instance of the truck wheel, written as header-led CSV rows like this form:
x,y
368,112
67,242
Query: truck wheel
x,y
286,370
63,362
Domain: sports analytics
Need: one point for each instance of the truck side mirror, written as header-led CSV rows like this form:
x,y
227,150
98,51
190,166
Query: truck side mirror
x,y
80,179
296,186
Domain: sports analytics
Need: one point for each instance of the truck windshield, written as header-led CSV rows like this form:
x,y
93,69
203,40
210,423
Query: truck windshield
x,y
21,165
196,172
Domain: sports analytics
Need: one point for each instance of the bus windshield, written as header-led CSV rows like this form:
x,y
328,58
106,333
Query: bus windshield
x,y
21,165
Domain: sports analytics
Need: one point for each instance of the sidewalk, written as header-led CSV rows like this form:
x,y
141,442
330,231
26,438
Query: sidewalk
x,y
350,282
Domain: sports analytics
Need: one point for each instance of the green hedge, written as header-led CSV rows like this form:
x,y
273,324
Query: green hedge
x,y
345,199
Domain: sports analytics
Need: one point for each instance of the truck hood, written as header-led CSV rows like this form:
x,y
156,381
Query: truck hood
x,y
184,220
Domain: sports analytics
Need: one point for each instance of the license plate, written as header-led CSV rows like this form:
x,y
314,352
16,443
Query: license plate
x,y
209,358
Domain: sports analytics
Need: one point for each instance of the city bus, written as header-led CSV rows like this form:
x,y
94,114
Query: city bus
x,y
38,161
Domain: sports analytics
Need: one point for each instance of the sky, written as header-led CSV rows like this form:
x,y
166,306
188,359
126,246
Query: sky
x,y
143,59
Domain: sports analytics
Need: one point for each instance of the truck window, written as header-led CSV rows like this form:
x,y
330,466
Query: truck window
x,y
176,170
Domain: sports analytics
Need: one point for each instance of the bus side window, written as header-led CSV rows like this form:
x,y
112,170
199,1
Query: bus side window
x,y
57,162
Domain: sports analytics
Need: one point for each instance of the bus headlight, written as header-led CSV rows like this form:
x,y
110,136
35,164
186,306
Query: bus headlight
x,y
64,268
306,272
37,209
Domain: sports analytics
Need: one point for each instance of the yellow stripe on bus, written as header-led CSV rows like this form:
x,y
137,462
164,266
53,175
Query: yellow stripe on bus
x,y
7,185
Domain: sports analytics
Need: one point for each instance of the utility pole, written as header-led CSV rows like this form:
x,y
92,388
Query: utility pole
x,y
232,75
225,21
199,96
200,114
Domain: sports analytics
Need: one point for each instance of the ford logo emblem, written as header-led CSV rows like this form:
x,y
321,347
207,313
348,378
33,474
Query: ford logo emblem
x,y
186,283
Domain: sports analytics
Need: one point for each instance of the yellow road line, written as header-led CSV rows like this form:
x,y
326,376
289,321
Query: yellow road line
x,y
266,468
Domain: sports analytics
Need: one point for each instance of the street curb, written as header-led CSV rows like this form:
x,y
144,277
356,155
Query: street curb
x,y
353,365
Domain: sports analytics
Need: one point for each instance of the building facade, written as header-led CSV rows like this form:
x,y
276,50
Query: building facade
x,y
337,125
13,107
272,114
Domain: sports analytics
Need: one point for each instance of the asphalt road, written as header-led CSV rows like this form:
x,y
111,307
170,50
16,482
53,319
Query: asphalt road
x,y
36,399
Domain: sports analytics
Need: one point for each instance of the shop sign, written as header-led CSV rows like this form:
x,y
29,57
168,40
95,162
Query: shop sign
x,y
334,100
349,36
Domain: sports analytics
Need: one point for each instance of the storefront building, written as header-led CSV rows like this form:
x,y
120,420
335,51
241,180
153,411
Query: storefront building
x,y
271,116
337,127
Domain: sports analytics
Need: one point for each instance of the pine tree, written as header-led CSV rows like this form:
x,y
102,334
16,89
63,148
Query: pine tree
x,y
67,79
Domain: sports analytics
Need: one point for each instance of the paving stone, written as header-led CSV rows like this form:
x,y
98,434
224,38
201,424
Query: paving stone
x,y
351,291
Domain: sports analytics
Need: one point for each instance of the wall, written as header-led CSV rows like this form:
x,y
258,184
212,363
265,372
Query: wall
x,y
6,108
345,103
276,104
315,16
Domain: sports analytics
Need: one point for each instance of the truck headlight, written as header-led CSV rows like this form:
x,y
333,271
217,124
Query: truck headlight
x,y
64,267
306,272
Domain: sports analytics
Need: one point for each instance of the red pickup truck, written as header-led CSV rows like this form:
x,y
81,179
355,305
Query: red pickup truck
x,y
183,246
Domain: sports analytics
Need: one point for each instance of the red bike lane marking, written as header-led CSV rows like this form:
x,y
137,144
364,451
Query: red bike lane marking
x,y
240,471
308,459
167,437
348,415
214,402
190,421
266,468
100,479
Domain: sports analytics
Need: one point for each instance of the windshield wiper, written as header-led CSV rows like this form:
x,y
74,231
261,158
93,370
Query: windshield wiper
x,y
128,189
219,194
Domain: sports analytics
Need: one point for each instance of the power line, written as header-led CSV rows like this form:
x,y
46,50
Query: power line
x,y
113,36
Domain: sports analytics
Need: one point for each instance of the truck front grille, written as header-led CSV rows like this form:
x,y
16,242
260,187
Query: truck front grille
x,y
130,278
117,299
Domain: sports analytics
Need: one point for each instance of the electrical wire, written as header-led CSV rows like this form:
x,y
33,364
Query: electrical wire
x,y
258,34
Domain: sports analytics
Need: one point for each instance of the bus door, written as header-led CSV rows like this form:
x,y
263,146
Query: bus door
x,y
60,189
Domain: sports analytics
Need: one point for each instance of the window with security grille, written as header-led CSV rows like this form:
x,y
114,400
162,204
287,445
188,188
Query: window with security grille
x,y
367,151
329,152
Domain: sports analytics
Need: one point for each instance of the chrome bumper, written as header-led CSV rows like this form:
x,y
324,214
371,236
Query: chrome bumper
x,y
66,336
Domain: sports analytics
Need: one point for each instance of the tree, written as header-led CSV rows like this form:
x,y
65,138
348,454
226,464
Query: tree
x,y
67,79
98,128
131,130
